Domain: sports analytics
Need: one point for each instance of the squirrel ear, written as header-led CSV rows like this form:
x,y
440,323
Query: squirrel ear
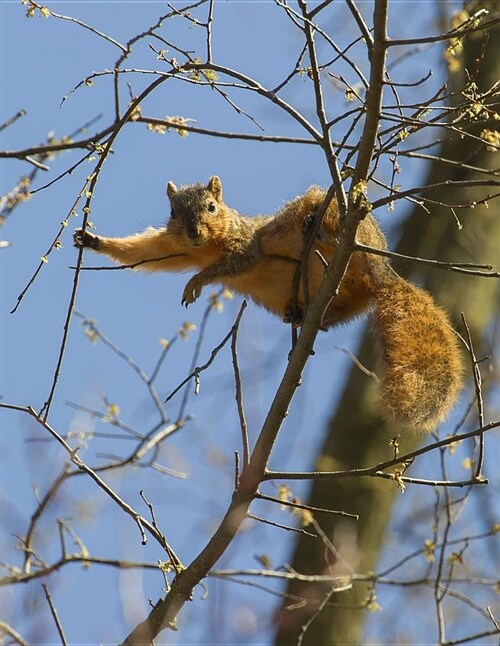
x,y
171,189
215,187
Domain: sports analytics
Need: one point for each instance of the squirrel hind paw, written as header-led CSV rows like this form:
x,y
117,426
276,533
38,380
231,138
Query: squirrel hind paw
x,y
308,222
323,235
293,314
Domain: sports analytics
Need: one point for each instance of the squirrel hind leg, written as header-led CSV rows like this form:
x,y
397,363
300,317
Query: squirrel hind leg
x,y
420,356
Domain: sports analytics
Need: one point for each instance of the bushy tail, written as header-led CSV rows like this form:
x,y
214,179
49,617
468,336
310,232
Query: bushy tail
x,y
419,352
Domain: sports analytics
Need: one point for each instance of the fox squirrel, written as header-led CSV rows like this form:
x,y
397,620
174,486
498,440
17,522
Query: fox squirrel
x,y
258,257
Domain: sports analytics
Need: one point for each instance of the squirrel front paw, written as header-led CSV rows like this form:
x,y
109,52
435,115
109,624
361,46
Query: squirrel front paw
x,y
83,239
191,291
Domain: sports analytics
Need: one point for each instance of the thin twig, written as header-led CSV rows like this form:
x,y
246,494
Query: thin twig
x,y
467,27
42,505
297,505
197,350
239,391
280,525
82,466
176,564
195,372
86,210
314,616
358,363
55,616
12,119
378,469
243,136
473,638
363,27
476,373
13,633
471,268
96,333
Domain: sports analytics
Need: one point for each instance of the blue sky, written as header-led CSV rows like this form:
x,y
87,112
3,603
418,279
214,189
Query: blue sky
x,y
41,61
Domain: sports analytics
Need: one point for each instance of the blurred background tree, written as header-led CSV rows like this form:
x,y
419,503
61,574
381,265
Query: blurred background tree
x,y
357,436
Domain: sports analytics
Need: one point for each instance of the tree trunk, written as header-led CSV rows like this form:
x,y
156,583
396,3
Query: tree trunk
x,y
357,436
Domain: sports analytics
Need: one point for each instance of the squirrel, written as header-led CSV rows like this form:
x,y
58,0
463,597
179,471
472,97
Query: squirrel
x,y
258,258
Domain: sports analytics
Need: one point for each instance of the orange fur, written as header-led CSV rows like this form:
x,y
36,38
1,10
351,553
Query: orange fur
x,y
258,257
420,355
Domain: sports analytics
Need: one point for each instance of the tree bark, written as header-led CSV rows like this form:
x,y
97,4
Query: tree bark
x,y
357,435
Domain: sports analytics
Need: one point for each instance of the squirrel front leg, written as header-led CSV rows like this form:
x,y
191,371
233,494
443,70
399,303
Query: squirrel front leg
x,y
230,265
193,288
151,250
195,284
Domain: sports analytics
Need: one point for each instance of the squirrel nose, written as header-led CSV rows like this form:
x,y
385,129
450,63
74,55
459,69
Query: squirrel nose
x,y
194,232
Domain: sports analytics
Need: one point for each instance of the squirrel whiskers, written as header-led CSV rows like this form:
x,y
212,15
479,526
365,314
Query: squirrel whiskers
x,y
258,256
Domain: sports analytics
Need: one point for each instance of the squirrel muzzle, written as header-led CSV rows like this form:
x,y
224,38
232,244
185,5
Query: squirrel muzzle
x,y
195,235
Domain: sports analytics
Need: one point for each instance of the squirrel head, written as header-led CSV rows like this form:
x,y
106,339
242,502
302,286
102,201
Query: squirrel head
x,y
195,210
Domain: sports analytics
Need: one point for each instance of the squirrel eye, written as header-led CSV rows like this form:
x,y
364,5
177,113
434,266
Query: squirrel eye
x,y
211,207
172,214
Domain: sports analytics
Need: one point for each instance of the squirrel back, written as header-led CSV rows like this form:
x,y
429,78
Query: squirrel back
x,y
418,349
285,233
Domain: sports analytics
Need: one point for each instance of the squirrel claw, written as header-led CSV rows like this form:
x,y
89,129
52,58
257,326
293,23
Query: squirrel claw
x,y
191,292
83,239
293,314
308,222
